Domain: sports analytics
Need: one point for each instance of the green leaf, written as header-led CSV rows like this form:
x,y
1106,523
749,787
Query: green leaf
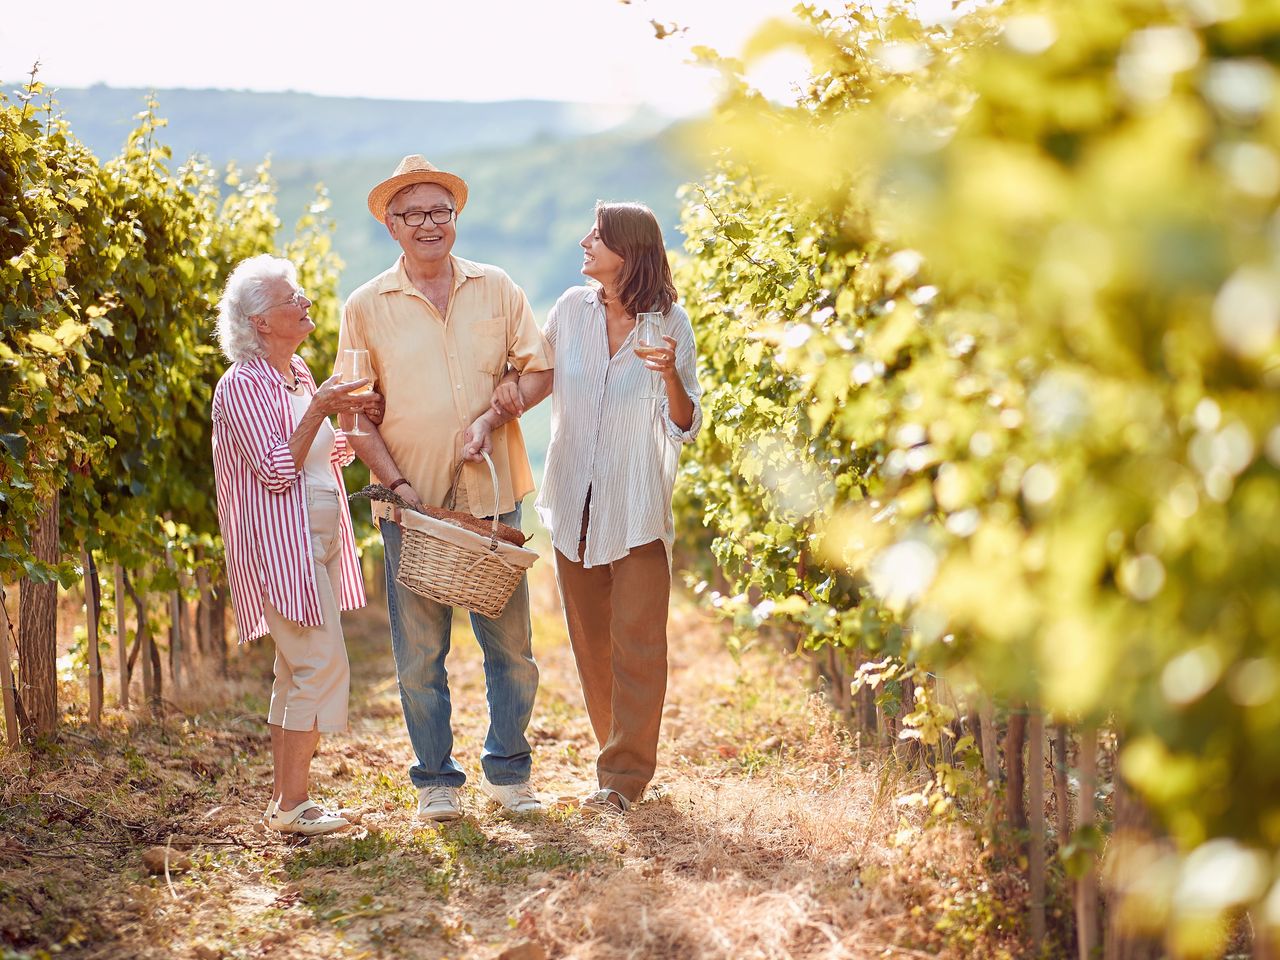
x,y
15,443
44,342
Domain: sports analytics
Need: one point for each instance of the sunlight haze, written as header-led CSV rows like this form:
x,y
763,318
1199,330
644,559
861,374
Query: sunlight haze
x,y
592,51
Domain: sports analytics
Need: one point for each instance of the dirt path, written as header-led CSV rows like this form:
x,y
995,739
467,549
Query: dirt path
x,y
774,835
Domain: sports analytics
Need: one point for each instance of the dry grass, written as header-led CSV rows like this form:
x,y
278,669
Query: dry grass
x,y
775,835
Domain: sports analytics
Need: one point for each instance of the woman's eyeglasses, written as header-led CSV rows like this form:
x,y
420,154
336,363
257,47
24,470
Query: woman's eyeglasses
x,y
297,300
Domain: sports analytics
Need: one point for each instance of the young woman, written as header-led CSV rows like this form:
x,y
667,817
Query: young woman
x,y
606,495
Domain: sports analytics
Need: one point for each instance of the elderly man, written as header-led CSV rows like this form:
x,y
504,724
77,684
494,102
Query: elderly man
x,y
440,332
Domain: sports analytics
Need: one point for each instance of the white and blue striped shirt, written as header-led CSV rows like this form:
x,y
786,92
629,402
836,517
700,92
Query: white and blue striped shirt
x,y
606,438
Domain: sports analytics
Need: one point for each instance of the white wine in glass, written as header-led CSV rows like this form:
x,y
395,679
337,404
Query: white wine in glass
x,y
355,366
648,342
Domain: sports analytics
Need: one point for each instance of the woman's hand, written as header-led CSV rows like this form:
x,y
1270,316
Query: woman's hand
x,y
506,400
680,407
663,361
478,438
333,396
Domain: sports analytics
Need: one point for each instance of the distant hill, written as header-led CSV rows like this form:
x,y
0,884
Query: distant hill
x,y
238,124
535,168
529,204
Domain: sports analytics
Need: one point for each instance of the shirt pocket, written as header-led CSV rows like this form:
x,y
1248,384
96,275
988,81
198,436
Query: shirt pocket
x,y
489,345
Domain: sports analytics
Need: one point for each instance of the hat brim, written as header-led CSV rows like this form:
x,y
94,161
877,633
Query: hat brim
x,y
381,195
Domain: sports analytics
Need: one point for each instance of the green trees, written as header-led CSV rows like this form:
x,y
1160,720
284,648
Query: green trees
x,y
991,322
111,273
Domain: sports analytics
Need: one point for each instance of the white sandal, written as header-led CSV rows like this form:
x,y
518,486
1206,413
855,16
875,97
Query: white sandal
x,y
293,821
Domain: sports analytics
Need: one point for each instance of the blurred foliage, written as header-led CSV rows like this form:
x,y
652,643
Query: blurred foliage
x,y
111,273
990,322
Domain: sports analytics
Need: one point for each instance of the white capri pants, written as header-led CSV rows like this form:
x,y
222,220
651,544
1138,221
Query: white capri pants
x,y
312,675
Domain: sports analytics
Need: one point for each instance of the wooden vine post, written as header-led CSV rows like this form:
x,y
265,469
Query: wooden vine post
x,y
1035,804
204,606
1062,803
122,638
1086,817
151,677
145,647
1061,787
1014,739
177,653
38,632
218,622
987,730
93,614
945,699
6,678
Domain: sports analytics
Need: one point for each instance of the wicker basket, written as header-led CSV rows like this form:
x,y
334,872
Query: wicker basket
x,y
458,567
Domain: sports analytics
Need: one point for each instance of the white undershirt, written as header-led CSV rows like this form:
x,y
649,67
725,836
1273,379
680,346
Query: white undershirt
x,y
318,468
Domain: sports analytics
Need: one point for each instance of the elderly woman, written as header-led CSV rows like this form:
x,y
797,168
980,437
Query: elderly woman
x,y
606,495
290,550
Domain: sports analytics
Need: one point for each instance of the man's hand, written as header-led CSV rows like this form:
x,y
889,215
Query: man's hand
x,y
478,438
506,400
406,491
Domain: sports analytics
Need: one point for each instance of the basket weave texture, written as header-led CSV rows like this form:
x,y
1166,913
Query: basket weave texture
x,y
449,561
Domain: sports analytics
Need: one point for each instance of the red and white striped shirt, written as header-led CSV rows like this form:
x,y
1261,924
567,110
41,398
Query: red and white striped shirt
x,y
262,502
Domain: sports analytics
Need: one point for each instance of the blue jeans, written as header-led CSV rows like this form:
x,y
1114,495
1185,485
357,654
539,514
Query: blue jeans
x,y
420,630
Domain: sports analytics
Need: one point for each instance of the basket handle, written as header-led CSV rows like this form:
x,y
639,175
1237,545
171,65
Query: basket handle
x,y
453,494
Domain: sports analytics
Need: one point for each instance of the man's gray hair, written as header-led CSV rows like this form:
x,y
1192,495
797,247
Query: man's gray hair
x,y
245,296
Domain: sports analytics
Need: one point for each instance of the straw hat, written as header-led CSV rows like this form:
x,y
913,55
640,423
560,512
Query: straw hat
x,y
415,169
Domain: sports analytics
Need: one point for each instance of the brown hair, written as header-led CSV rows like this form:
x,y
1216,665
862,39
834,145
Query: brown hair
x,y
631,231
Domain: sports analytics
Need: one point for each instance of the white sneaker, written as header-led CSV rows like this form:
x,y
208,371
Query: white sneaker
x,y
514,797
438,802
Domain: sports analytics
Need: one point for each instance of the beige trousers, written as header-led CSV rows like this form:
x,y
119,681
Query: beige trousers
x,y
312,675
617,619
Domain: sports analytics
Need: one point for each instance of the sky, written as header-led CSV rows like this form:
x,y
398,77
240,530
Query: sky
x,y
595,51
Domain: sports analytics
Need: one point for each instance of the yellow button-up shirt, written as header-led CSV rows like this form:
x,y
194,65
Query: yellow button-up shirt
x,y
438,374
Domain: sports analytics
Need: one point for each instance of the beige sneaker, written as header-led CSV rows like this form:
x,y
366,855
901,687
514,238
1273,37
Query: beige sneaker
x,y
438,802
514,797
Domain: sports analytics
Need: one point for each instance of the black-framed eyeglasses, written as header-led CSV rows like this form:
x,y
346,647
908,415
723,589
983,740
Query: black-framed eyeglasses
x,y
299,296
416,218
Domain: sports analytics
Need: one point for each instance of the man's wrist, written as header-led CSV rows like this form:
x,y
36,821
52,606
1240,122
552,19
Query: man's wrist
x,y
401,482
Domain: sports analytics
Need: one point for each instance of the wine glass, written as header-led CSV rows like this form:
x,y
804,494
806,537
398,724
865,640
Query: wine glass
x,y
355,366
648,342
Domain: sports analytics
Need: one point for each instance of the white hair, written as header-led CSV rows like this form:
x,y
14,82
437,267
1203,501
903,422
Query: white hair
x,y
245,296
